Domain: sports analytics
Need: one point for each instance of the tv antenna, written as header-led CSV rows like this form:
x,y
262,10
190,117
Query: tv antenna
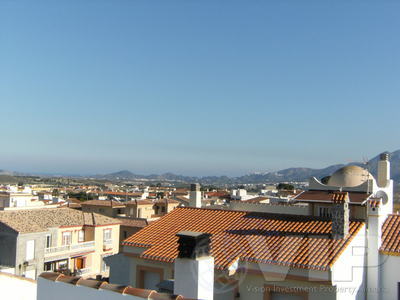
x,y
367,165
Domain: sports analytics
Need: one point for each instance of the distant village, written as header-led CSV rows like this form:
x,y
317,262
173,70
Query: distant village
x,y
331,238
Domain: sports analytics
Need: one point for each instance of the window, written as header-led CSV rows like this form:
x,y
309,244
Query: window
x,y
48,267
107,234
139,213
125,234
63,265
30,250
81,236
163,209
48,241
104,267
66,238
325,212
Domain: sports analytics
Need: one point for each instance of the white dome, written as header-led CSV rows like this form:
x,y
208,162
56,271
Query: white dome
x,y
349,176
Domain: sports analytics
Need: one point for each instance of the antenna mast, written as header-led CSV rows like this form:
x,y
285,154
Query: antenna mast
x,y
367,166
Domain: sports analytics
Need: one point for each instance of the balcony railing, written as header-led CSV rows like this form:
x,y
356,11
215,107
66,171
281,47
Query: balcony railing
x,y
82,245
83,271
69,248
57,249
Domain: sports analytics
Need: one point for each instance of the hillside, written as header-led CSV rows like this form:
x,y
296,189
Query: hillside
x,y
290,174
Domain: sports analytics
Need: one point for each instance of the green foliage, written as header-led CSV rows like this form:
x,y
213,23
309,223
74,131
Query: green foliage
x,y
82,196
285,186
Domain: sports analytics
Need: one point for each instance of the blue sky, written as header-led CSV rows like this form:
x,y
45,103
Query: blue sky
x,y
196,87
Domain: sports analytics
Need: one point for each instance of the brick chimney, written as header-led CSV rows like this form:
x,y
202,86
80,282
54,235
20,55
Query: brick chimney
x,y
194,267
340,215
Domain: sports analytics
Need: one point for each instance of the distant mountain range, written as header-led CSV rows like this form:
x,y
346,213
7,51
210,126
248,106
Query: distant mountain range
x,y
291,174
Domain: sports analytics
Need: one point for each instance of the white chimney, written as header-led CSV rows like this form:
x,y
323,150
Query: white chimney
x,y
195,195
383,170
194,267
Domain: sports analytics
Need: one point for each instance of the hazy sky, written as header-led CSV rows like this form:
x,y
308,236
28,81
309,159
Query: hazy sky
x,y
196,87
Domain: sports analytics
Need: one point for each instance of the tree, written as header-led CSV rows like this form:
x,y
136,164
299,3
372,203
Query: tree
x,y
160,195
285,186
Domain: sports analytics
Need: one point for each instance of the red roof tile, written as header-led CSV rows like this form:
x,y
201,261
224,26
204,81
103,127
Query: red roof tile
x,y
107,203
296,241
103,285
140,202
391,235
133,222
340,197
328,196
111,193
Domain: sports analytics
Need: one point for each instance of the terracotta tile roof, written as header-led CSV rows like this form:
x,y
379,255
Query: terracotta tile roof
x,y
296,241
374,202
111,193
180,192
221,194
106,203
182,200
125,290
170,201
39,220
140,202
133,222
391,236
327,196
73,200
340,197
71,205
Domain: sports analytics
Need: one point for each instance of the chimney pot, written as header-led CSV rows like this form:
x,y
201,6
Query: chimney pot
x,y
194,267
195,187
193,244
384,156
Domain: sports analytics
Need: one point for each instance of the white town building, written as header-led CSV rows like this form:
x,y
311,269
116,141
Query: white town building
x,y
345,244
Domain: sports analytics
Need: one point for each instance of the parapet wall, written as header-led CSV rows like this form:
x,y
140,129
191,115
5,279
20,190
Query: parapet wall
x,y
290,209
14,287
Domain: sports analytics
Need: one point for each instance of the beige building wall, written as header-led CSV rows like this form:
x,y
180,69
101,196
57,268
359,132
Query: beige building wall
x,y
101,247
145,211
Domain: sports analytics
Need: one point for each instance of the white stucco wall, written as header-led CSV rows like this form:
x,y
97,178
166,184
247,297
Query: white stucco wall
x,y
194,277
272,208
17,288
390,276
50,290
253,288
349,273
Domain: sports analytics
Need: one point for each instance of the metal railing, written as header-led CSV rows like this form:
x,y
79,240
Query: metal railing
x,y
83,271
83,245
66,248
